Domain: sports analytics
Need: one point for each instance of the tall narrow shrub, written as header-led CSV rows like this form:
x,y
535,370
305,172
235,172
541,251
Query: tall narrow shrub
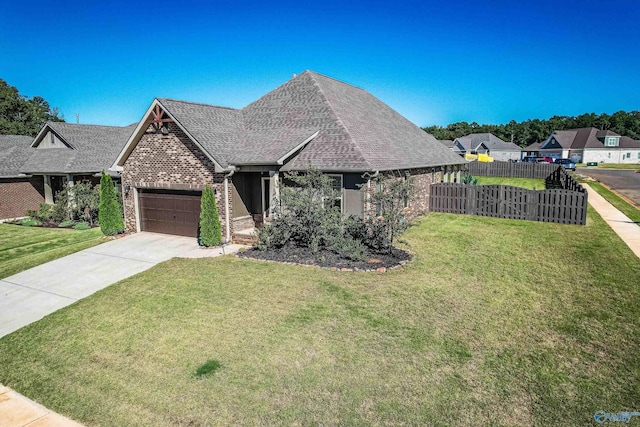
x,y
210,230
109,215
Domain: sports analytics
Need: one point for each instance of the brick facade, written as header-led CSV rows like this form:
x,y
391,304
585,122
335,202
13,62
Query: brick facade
x,y
171,162
17,195
422,180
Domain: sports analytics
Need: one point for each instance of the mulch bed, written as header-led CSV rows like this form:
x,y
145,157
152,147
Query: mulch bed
x,y
326,259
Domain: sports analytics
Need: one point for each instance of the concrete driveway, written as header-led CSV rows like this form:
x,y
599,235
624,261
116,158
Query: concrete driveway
x,y
625,182
28,296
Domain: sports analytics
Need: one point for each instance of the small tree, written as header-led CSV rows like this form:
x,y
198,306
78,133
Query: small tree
x,y
210,230
109,215
390,202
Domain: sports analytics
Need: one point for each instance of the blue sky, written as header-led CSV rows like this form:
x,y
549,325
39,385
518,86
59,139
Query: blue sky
x,y
434,62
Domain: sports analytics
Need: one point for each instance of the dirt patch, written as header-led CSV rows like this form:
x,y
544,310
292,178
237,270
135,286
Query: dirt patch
x,y
328,259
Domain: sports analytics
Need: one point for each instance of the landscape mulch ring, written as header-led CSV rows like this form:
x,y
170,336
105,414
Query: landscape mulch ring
x,y
328,259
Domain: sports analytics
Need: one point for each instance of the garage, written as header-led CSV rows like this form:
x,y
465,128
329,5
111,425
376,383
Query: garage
x,y
169,212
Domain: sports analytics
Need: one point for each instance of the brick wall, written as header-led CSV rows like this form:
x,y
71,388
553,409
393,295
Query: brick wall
x,y
170,161
17,195
422,180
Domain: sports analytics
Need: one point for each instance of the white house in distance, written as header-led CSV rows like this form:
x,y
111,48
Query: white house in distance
x,y
487,143
587,145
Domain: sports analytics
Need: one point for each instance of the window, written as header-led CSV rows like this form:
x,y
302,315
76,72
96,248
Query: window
x,y
628,155
612,142
52,139
336,183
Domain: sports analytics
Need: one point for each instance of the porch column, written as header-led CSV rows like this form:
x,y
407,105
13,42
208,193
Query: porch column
x,y
48,192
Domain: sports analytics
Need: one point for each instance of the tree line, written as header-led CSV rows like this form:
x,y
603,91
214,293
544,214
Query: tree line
x,y
529,131
20,115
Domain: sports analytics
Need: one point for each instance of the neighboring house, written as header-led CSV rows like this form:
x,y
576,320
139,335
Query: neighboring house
x,y
18,192
447,143
487,143
310,121
532,150
586,145
64,153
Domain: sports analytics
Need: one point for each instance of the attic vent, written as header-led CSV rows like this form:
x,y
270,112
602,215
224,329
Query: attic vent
x,y
52,139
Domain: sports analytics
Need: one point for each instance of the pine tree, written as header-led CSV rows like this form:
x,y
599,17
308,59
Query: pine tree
x,y
210,230
109,216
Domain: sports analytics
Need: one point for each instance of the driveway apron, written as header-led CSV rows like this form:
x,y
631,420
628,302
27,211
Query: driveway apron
x,y
32,294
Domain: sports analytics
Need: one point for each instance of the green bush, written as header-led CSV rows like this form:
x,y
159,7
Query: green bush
x,y
210,229
66,223
82,226
43,213
469,180
77,202
307,216
30,222
110,213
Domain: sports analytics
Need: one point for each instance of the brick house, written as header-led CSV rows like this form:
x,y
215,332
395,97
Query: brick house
x,y
64,153
18,192
310,121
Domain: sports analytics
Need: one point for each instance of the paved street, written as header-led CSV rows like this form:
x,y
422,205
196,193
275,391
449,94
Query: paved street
x,y
625,182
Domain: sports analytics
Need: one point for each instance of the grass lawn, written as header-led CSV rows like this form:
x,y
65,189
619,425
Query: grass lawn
x,y
613,165
622,205
516,182
24,247
494,322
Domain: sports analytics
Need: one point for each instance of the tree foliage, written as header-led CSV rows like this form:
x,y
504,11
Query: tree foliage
x,y
20,115
210,229
110,215
529,131
307,216
78,202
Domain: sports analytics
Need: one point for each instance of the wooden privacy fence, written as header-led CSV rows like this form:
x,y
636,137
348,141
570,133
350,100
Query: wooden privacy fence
x,y
512,170
502,201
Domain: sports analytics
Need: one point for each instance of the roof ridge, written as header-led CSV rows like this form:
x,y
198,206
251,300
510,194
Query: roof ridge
x,y
334,79
87,124
339,119
199,103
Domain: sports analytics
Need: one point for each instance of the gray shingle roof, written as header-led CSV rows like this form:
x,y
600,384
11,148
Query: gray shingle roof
x,y
94,148
14,152
492,142
356,131
577,139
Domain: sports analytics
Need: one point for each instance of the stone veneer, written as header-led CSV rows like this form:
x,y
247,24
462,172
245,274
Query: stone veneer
x,y
171,162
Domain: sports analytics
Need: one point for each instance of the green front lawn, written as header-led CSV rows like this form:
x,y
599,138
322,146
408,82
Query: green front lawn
x,y
24,247
612,165
529,183
619,203
494,322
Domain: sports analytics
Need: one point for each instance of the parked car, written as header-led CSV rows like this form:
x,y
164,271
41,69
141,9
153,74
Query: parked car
x,y
566,163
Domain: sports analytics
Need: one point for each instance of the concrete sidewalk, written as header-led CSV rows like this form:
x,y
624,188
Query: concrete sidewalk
x,y
18,411
628,231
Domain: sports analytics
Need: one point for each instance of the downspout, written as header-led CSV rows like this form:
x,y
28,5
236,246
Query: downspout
x,y
226,203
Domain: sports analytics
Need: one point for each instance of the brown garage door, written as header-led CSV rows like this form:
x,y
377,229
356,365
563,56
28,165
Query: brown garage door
x,y
170,212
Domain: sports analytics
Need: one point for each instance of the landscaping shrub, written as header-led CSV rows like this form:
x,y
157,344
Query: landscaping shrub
x,y
78,202
43,213
469,180
66,223
82,226
306,216
210,229
30,222
110,214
